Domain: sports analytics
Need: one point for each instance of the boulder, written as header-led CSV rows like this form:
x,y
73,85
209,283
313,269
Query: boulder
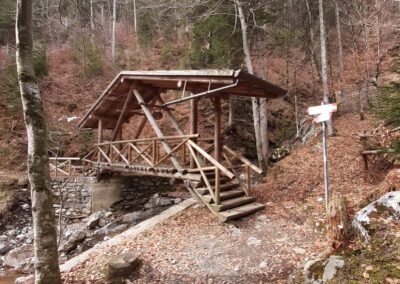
x,y
73,241
322,269
111,228
373,217
134,217
4,248
20,258
25,280
158,201
94,219
122,267
334,263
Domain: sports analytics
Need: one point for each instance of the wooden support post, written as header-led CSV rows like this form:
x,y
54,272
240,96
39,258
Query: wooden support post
x,y
193,125
248,179
156,129
121,116
217,146
99,138
170,116
140,128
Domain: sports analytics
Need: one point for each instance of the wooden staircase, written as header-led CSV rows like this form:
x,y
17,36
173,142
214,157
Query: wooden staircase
x,y
234,202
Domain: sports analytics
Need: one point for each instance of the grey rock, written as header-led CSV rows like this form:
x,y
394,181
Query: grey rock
x,y
25,280
20,258
253,241
134,217
111,228
177,200
122,266
93,220
334,262
73,241
387,207
4,248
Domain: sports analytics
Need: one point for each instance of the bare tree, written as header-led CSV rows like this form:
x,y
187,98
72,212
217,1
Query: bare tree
x,y
324,66
254,101
114,20
44,228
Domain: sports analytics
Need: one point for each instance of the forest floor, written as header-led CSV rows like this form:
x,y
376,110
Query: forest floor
x,y
193,247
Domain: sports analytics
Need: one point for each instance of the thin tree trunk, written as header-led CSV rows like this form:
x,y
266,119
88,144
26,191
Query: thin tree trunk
x,y
134,16
114,19
312,39
44,226
324,66
254,101
340,55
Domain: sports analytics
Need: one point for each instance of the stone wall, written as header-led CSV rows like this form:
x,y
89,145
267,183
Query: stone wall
x,y
133,185
85,195
77,195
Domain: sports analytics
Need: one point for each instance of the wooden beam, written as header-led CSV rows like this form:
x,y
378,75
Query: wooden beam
x,y
140,128
194,118
217,146
119,122
170,116
156,129
217,129
99,137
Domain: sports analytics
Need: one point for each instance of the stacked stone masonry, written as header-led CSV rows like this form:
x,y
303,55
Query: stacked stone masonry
x,y
83,196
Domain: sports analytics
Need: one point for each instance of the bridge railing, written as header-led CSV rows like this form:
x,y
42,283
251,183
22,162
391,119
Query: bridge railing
x,y
65,166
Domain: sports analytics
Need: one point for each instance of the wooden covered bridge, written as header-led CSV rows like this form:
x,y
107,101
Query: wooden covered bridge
x,y
214,173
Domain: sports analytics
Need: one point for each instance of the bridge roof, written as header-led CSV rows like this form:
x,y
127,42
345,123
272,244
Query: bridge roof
x,y
201,83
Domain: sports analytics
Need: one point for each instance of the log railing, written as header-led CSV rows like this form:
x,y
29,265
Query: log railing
x,y
230,155
62,166
149,152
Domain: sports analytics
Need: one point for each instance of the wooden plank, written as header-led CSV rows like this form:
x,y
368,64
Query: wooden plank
x,y
104,154
217,146
121,116
242,159
156,129
211,159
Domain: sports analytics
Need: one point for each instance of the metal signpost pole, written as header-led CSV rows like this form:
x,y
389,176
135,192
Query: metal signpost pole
x,y
324,152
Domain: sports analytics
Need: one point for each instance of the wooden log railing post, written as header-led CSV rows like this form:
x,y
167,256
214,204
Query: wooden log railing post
x,y
217,146
193,124
99,137
248,179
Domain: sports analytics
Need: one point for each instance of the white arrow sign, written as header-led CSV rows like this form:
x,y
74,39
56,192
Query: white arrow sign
x,y
322,109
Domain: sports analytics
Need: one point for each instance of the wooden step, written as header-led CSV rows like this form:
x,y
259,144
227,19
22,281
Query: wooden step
x,y
240,211
223,187
225,195
211,180
232,203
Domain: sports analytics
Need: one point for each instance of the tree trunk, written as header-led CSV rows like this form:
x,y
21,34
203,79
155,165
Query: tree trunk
x,y
254,101
313,56
339,226
134,16
324,63
340,55
44,227
114,19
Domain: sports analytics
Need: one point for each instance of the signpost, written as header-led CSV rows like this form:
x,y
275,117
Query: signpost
x,y
322,114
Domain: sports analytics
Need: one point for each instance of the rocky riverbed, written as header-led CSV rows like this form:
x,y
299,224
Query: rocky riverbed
x,y
77,234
